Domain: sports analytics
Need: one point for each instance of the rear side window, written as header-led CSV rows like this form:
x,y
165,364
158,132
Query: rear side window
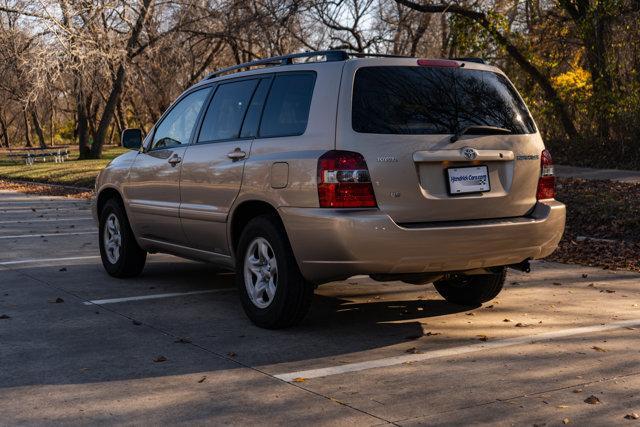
x,y
286,110
226,111
430,100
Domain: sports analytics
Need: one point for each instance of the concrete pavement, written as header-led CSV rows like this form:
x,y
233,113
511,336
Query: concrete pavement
x,y
190,356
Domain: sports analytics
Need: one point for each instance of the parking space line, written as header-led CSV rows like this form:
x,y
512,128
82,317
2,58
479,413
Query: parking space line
x,y
17,221
155,296
22,236
46,260
455,351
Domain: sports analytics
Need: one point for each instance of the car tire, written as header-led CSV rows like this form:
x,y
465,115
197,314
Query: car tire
x,y
471,290
273,292
121,255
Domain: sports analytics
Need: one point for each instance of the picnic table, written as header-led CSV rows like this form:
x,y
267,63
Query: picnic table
x,y
29,155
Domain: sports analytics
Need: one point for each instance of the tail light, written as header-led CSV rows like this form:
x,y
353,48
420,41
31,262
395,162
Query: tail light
x,y
547,181
344,181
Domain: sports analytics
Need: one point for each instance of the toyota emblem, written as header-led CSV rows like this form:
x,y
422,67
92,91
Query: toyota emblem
x,y
469,153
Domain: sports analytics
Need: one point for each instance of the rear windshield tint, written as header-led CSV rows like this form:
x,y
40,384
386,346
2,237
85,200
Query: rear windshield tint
x,y
429,100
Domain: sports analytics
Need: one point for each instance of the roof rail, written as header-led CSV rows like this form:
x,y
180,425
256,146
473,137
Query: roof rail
x,y
471,59
331,55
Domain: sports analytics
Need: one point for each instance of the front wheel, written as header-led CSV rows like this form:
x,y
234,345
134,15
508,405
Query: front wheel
x,y
272,291
471,290
120,253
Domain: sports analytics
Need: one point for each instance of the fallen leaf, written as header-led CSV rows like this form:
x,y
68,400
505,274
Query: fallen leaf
x,y
483,337
521,325
412,350
577,390
159,359
430,334
566,421
56,301
231,354
5,316
557,284
201,380
562,406
137,322
632,416
507,320
584,276
63,269
299,380
592,400
185,340
596,348
470,314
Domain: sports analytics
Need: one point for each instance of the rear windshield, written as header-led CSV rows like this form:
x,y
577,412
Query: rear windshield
x,y
430,100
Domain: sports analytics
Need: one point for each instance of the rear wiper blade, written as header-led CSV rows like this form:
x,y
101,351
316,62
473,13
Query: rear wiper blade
x,y
480,130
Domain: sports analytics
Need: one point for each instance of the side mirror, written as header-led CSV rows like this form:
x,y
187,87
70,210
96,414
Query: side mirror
x,y
131,139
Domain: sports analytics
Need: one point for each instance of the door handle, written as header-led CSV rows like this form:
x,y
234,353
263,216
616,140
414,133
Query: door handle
x,y
237,154
174,160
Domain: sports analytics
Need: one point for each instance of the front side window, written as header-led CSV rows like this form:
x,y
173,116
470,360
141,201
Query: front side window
x,y
176,127
226,111
286,109
431,100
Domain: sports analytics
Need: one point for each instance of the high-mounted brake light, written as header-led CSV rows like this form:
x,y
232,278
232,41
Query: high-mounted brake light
x,y
447,63
344,181
547,181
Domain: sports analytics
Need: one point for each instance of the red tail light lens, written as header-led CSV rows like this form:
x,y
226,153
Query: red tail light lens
x,y
547,181
344,181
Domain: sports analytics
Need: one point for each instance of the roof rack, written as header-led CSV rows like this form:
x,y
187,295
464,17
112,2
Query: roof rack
x,y
330,55
471,59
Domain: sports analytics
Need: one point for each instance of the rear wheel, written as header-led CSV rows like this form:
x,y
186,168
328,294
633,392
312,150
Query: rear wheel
x,y
120,253
471,290
272,291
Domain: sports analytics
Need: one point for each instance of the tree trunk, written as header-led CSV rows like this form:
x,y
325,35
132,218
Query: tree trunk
x,y
82,121
595,42
38,128
107,114
5,131
27,130
543,81
118,83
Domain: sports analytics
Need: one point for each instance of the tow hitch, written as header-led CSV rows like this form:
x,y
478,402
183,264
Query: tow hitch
x,y
522,266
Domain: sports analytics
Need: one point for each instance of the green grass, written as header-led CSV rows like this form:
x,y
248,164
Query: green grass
x,y
81,173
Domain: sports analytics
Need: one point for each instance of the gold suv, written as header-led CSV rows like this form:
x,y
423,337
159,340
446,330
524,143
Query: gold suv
x,y
309,168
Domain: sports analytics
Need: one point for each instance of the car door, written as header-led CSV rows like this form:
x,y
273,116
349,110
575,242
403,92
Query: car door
x,y
214,163
153,191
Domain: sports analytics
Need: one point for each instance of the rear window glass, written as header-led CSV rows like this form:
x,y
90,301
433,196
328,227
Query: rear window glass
x,y
430,100
286,110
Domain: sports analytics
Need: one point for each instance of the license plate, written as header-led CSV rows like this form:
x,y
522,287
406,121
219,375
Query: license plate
x,y
472,179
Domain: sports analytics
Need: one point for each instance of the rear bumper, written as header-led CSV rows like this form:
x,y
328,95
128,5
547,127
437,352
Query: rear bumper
x,y
335,243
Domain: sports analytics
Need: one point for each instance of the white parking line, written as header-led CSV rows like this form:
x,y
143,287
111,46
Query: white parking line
x,y
21,236
155,296
47,260
16,221
455,351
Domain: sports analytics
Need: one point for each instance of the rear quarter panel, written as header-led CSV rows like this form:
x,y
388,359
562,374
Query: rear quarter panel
x,y
294,184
